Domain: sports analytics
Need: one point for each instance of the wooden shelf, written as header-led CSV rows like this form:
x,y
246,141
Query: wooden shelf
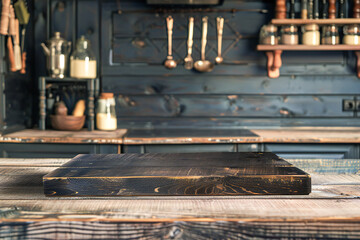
x,y
341,47
338,21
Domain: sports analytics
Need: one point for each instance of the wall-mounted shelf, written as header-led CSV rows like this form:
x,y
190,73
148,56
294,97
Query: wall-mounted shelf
x,y
93,86
273,53
337,21
341,47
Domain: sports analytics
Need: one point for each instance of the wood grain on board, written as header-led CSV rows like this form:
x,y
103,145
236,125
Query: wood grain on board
x,y
194,174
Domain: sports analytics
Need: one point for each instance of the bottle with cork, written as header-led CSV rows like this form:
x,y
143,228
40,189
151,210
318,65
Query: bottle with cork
x,y
105,112
352,32
311,32
289,34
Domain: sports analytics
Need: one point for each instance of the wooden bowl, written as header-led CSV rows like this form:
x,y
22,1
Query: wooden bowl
x,y
67,123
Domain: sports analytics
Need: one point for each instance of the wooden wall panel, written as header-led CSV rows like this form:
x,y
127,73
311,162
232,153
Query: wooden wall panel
x,y
210,84
231,106
129,40
16,90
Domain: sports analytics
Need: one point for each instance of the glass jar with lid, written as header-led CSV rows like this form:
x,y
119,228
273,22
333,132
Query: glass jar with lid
x,y
105,112
311,35
351,35
330,35
268,35
82,60
289,35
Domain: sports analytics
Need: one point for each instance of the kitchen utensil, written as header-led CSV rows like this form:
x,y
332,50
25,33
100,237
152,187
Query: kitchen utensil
x,y
220,28
342,8
324,8
17,51
170,63
204,65
280,9
332,9
292,9
57,54
12,33
67,123
304,9
23,15
5,11
356,9
189,61
316,9
12,29
21,12
11,54
311,9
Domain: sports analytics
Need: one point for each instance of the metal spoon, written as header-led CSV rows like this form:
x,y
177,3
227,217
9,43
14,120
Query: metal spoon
x,y
204,65
220,27
170,63
188,61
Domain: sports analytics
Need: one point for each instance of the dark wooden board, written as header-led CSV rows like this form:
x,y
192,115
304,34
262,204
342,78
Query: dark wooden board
x,y
191,174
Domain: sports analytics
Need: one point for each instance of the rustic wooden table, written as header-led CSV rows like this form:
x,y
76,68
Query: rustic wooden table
x,y
332,210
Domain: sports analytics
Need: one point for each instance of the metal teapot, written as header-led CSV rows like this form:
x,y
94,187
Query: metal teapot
x,y
57,53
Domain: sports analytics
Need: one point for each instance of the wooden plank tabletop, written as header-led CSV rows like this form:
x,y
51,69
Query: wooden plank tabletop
x,y
21,186
53,136
332,208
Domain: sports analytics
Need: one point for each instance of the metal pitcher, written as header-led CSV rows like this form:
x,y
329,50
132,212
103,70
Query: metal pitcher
x,y
57,52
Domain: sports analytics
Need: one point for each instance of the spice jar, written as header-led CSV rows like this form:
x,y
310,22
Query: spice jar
x,y
105,112
268,35
330,35
352,35
311,35
289,35
82,61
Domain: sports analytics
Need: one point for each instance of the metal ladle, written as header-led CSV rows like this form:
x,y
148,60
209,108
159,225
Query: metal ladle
x,y
204,65
170,63
220,28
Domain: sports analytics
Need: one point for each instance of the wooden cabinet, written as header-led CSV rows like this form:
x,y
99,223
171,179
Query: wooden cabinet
x,y
180,148
287,151
313,151
39,150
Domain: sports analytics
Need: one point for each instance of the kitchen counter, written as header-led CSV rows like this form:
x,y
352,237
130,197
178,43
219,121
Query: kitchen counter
x,y
53,136
188,136
281,135
332,209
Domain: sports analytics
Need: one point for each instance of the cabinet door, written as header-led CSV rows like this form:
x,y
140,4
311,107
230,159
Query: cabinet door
x,y
180,148
313,151
38,150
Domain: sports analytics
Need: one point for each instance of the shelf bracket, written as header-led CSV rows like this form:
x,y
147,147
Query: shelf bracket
x,y
357,53
274,63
